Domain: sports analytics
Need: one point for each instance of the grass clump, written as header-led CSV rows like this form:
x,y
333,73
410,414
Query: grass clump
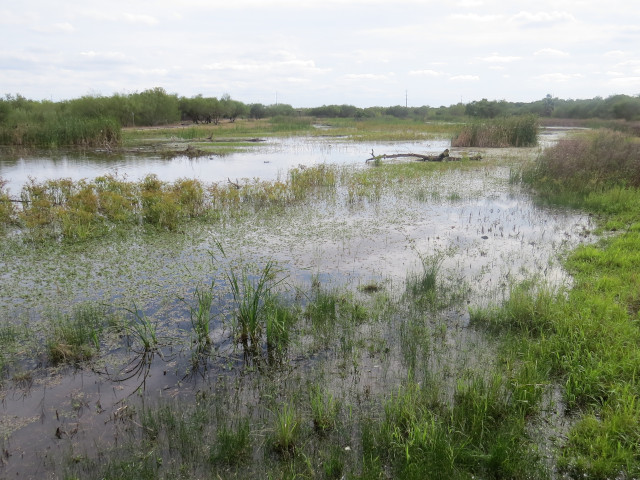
x,y
517,131
75,337
527,309
324,410
285,434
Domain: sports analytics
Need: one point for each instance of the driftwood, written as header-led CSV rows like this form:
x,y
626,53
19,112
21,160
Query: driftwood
x,y
442,157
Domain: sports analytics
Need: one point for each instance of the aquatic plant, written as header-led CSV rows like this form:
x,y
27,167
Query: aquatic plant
x,y
285,430
75,337
324,409
232,444
517,131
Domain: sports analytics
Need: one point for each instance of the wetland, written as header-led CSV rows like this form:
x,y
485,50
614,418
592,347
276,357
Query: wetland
x,y
337,333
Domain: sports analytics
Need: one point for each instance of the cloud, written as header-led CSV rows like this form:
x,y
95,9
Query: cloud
x,y
550,52
127,17
474,17
368,76
136,18
426,73
495,58
464,78
541,18
557,77
627,82
614,54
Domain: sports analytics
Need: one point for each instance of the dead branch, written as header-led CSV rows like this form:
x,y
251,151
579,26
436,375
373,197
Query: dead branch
x,y
444,156
237,185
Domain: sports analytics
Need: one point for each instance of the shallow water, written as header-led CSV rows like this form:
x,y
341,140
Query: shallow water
x,y
491,235
269,160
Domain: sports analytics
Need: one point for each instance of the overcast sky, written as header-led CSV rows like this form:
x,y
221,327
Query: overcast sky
x,y
313,52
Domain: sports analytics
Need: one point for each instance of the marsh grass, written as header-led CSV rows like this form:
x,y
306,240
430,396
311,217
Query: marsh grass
x,y
75,337
285,433
201,315
233,444
519,131
324,410
59,130
529,308
429,289
12,338
588,164
7,209
142,332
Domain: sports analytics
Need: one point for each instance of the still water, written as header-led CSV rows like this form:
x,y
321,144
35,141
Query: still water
x,y
269,160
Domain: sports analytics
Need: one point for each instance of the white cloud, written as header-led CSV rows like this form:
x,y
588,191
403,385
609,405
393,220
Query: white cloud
x,y
495,58
464,78
368,76
551,53
426,73
137,18
626,82
474,17
614,54
529,18
557,77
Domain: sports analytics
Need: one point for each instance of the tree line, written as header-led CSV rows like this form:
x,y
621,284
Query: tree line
x,y
70,118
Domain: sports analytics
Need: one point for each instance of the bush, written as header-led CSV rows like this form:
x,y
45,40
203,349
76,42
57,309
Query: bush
x,y
602,159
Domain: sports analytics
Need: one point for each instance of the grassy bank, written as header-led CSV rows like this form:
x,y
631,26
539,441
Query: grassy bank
x,y
587,338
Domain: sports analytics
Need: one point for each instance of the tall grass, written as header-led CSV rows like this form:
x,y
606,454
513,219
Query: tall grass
x,y
588,162
518,131
62,131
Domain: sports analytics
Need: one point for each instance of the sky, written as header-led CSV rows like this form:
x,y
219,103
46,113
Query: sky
x,y
309,53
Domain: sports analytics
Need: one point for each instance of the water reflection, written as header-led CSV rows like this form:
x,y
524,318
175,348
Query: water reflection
x,y
267,161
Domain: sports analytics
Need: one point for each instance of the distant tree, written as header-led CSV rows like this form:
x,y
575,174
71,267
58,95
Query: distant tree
x,y
280,110
257,111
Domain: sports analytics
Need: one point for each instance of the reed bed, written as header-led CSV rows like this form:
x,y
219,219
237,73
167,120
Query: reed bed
x,y
76,211
518,131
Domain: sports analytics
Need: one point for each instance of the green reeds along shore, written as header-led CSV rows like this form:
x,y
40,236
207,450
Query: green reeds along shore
x,y
516,131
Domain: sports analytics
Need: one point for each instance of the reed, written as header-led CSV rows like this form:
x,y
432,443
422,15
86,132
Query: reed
x,y
517,131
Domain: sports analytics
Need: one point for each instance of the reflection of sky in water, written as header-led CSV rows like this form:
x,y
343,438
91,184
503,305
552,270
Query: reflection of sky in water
x,y
267,161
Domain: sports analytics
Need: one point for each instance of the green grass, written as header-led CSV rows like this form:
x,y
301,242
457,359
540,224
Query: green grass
x,y
587,338
75,337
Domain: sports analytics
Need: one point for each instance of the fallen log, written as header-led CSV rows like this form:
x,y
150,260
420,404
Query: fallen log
x,y
444,156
